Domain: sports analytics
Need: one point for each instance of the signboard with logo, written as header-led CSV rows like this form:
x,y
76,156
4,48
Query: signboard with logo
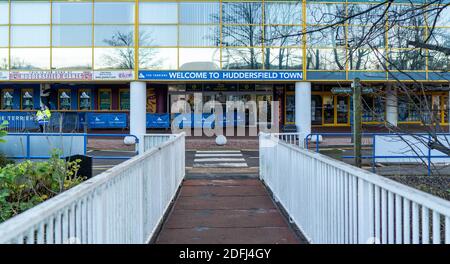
x,y
51,75
158,120
113,75
222,75
107,120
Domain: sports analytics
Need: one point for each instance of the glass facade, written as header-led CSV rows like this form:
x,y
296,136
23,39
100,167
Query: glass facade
x,y
219,35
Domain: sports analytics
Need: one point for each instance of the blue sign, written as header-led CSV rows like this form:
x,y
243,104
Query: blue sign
x,y
222,75
207,120
158,120
107,120
19,120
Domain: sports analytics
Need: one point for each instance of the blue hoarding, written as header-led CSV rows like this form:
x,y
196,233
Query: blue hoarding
x,y
158,120
222,75
19,120
107,120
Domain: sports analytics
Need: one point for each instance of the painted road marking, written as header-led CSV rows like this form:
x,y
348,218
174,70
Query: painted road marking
x,y
218,155
217,159
218,151
221,165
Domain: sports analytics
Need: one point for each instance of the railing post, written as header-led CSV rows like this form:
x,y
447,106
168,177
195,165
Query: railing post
x,y
365,212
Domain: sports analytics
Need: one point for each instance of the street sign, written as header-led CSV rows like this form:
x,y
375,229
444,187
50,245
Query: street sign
x,y
349,90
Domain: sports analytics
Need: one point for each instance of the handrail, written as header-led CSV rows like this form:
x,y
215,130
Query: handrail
x,y
96,210
334,202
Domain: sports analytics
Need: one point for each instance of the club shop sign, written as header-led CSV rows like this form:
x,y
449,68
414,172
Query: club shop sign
x,y
54,75
221,75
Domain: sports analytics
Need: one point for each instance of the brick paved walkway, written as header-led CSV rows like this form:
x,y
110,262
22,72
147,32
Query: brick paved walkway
x,y
232,211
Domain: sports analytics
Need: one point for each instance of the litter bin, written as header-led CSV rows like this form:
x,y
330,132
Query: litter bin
x,y
85,165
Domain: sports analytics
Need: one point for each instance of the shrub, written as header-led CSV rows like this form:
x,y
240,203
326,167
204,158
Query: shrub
x,y
27,184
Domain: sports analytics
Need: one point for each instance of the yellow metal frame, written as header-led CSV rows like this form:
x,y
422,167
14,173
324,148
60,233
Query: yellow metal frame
x,y
110,98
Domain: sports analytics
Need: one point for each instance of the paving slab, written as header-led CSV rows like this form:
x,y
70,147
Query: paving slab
x,y
231,211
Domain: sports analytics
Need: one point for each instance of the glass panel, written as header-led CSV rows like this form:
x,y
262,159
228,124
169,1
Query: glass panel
x,y
366,59
316,110
3,59
324,13
283,13
124,98
113,58
326,38
283,58
71,13
399,36
64,99
368,17
104,99
158,13
26,96
407,60
342,109
325,59
440,36
30,59
75,58
244,58
199,13
290,108
241,13
360,37
242,36
438,61
117,36
158,59
199,36
25,13
4,36
445,108
406,15
30,36
4,13
114,13
85,99
199,59
72,36
7,99
328,109
442,20
158,35
282,36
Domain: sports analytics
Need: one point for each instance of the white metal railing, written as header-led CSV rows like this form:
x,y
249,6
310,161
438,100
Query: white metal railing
x,y
122,205
333,202
297,139
152,140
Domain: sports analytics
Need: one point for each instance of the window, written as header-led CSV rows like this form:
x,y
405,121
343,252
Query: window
x,y
114,13
30,59
199,13
72,58
64,36
243,58
200,36
114,35
64,99
158,13
373,109
158,59
26,12
124,99
7,100
161,35
72,13
4,13
27,99
30,36
4,36
4,59
104,99
283,13
84,99
199,59
113,58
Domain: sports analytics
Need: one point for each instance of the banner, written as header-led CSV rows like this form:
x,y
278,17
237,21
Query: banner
x,y
113,75
158,120
107,120
19,121
222,75
55,75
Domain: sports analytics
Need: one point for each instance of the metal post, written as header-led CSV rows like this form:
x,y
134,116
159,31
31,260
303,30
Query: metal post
x,y
357,126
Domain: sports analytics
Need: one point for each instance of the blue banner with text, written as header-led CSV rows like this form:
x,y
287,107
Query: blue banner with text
x,y
221,75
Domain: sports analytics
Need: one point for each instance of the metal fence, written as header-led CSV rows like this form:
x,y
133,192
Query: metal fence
x,y
293,138
152,140
333,202
122,205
